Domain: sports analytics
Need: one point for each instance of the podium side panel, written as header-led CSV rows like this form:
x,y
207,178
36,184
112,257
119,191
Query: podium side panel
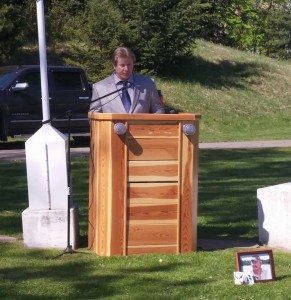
x,y
100,191
119,194
92,187
188,208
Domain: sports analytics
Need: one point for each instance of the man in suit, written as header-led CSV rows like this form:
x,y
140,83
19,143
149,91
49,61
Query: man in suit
x,y
138,93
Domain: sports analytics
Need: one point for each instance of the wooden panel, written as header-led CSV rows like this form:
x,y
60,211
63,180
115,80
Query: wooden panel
x,y
152,149
153,212
107,204
144,214
162,232
158,130
188,191
92,190
118,189
152,249
153,171
143,118
152,190
103,198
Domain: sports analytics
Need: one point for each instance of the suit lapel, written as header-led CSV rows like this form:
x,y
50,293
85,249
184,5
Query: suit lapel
x,y
136,92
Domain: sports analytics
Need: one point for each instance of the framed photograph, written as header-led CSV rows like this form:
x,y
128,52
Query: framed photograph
x,y
258,263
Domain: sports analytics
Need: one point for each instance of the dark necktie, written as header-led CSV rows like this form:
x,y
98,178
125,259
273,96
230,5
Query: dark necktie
x,y
125,97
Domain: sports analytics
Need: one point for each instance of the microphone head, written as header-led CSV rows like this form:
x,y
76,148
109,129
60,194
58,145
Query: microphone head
x,y
128,84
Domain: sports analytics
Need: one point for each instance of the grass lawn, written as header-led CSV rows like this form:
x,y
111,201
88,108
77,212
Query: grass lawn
x,y
228,180
241,96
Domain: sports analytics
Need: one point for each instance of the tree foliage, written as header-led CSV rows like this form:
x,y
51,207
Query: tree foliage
x,y
11,35
160,30
85,32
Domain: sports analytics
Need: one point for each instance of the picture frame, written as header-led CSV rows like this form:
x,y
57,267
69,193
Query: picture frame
x,y
259,263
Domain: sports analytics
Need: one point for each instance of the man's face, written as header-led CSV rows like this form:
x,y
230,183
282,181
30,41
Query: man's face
x,y
257,266
124,67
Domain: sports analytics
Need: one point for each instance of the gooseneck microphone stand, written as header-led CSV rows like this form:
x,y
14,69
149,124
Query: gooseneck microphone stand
x,y
69,248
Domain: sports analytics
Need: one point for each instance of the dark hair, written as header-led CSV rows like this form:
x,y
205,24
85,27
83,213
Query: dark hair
x,y
255,257
122,52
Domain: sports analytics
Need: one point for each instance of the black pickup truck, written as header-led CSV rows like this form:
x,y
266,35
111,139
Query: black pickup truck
x,y
21,105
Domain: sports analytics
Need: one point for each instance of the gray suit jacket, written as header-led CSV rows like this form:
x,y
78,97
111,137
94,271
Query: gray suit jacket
x,y
145,96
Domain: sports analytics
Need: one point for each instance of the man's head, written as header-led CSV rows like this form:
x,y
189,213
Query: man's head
x,y
123,62
256,264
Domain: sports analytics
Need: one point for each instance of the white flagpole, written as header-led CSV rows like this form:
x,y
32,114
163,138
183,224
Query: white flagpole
x,y
43,60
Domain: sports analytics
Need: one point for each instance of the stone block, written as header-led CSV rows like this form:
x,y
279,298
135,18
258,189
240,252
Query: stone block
x,y
274,214
48,228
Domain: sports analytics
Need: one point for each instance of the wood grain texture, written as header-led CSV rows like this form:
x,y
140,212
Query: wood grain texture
x,y
158,232
103,197
108,200
154,212
189,201
152,171
147,249
119,193
152,149
153,130
144,118
153,190
143,185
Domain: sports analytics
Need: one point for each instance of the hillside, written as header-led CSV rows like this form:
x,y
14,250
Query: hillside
x,y
240,95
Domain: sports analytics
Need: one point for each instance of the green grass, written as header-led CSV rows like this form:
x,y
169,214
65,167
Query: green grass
x,y
228,180
240,95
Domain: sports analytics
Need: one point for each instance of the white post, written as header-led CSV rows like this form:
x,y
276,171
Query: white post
x,y
45,221
43,60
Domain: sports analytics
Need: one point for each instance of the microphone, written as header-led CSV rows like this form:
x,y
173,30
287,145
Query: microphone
x,y
126,86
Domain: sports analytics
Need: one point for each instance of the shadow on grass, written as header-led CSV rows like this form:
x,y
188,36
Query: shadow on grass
x,y
91,277
228,183
225,73
227,203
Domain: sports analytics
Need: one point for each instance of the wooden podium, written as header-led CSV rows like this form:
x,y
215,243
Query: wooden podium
x,y
143,183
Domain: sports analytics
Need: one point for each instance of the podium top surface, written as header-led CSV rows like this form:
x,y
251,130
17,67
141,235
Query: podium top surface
x,y
148,117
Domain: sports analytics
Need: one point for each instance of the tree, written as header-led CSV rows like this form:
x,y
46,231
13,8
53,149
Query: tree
x,y
160,30
277,30
11,35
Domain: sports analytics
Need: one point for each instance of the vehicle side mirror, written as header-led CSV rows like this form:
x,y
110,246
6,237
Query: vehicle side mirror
x,y
20,86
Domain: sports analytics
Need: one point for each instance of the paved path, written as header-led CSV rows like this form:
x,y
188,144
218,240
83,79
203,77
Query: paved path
x,y
19,154
246,145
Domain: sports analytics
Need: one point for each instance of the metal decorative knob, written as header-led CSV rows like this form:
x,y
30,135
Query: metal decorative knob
x,y
189,129
120,128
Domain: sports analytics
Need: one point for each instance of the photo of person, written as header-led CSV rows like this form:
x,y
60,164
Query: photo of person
x,y
258,271
259,265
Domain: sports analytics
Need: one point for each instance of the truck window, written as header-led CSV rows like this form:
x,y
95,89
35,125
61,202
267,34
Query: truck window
x,y
33,80
67,81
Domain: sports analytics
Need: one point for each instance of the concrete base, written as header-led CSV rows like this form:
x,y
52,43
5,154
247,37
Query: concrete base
x,y
274,213
48,228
